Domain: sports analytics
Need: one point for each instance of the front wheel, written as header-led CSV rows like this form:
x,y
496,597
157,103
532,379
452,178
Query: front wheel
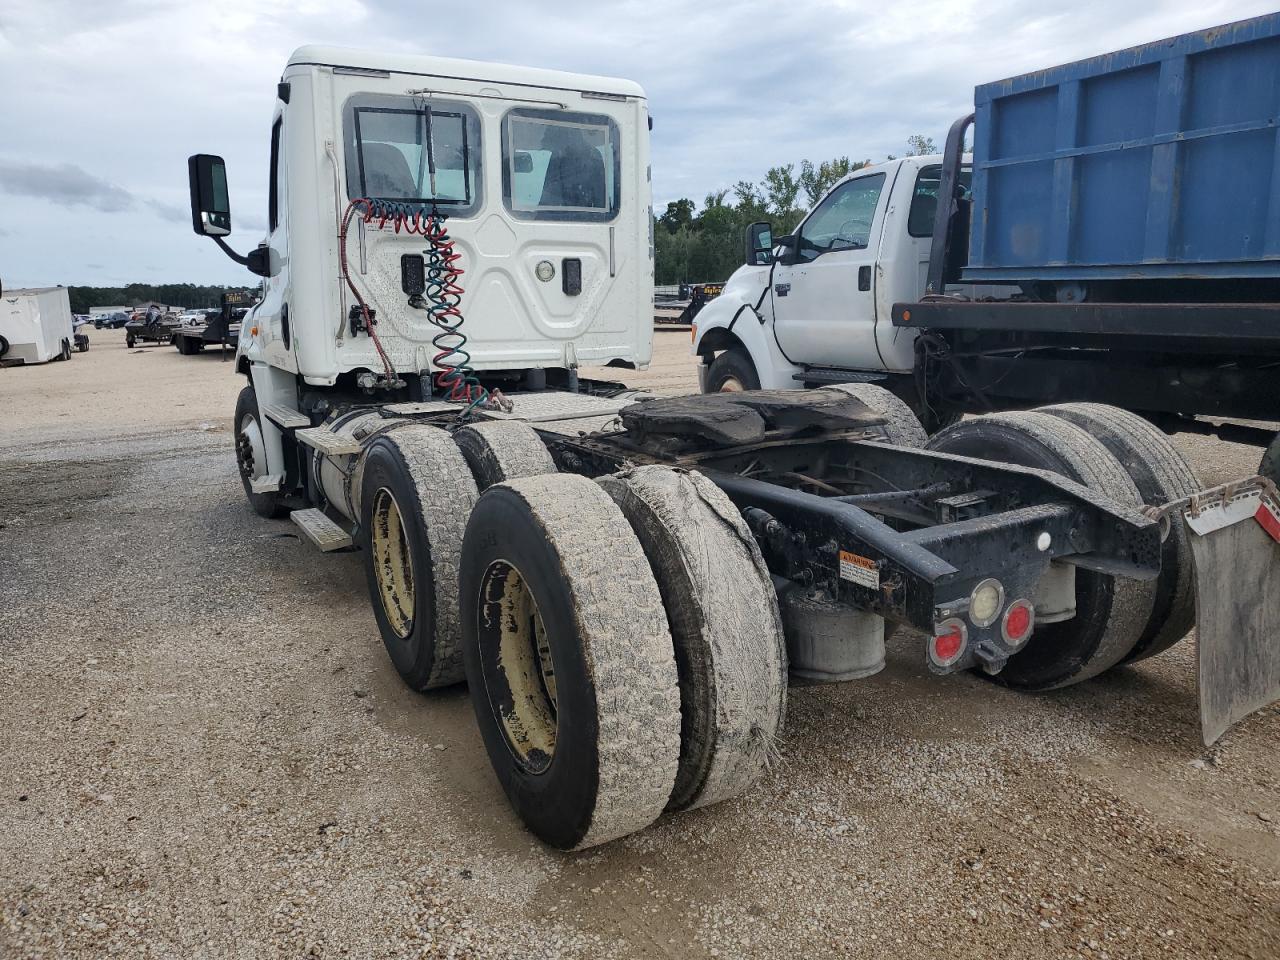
x,y
251,456
732,372
129,340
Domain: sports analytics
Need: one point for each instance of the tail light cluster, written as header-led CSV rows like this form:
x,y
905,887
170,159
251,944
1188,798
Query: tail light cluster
x,y
986,607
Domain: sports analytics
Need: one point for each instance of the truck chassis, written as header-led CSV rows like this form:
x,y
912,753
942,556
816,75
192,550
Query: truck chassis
x,y
819,510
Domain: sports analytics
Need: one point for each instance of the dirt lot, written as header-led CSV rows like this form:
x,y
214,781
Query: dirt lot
x,y
206,753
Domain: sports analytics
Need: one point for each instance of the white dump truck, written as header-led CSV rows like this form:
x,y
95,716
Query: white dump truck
x,y
35,326
626,582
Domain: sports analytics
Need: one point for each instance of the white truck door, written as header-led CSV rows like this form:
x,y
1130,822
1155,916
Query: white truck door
x,y
823,297
272,316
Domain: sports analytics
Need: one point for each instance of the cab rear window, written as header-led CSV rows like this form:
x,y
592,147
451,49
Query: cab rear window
x,y
560,166
413,150
924,202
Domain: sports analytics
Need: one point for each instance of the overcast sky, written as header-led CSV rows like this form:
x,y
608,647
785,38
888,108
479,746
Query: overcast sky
x,y
101,101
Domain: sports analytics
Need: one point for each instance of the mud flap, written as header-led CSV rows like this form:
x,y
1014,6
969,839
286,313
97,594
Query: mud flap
x,y
1235,543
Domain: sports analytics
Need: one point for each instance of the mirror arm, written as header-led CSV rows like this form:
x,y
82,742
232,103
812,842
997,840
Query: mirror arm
x,y
243,261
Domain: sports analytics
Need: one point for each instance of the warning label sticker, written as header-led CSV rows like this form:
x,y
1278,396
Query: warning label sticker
x,y
861,570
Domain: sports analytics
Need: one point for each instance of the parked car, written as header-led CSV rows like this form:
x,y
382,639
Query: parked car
x,y
111,321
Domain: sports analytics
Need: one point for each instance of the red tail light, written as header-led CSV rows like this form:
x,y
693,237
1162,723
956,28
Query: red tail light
x,y
948,643
1019,619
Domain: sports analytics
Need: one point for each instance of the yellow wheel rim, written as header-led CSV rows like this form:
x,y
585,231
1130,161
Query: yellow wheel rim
x,y
392,562
528,708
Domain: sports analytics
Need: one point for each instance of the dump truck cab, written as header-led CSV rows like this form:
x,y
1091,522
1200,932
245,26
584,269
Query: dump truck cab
x,y
820,299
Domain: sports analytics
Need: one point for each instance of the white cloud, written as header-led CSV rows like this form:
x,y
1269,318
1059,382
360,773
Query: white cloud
x,y
124,91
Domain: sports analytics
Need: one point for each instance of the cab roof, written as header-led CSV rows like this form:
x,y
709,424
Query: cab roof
x,y
450,68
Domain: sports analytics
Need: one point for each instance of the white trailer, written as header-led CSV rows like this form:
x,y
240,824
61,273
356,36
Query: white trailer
x,y
35,326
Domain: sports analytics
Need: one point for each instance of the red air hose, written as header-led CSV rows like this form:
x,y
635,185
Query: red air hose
x,y
441,298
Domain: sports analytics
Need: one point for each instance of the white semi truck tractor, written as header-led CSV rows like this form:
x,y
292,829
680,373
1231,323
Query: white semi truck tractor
x,y
625,582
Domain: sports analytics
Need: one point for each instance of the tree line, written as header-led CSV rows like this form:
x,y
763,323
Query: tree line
x,y
185,295
692,245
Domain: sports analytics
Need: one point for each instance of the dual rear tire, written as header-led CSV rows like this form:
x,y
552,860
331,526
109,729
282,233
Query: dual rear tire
x,y
1123,457
620,639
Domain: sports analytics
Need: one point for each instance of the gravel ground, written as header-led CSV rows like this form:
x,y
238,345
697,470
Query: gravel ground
x,y
207,754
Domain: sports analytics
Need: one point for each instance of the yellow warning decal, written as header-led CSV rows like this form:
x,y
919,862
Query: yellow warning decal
x,y
859,569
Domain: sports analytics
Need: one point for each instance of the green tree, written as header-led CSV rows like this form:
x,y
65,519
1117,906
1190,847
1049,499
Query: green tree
x,y
705,245
816,181
186,295
781,188
920,146
679,214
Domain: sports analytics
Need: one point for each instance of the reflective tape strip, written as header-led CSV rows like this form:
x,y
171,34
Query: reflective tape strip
x,y
1269,519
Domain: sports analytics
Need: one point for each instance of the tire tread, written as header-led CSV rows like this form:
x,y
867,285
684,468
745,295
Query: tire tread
x,y
1161,475
501,450
902,427
721,606
626,646
446,494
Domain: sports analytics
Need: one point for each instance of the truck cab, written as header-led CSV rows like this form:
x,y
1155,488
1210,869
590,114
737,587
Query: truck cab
x,y
539,180
814,307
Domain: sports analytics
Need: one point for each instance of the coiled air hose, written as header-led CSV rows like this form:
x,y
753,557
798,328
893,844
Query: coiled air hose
x,y
440,299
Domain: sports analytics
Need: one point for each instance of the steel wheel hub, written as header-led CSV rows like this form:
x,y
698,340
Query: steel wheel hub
x,y
251,450
392,562
527,707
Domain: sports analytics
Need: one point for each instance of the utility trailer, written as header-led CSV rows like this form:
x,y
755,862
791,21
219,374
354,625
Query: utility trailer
x,y
682,302
221,329
627,582
153,328
36,327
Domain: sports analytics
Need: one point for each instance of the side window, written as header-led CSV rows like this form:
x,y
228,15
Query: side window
x,y
560,166
924,201
273,183
413,150
843,220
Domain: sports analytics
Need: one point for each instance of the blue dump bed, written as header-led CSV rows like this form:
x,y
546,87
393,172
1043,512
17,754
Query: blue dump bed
x,y
1157,161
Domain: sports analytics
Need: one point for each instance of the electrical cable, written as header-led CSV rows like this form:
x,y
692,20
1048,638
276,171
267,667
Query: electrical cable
x,y
369,214
440,300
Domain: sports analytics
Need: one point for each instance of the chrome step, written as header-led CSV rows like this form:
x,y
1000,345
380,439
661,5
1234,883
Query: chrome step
x,y
327,442
282,415
320,530
268,483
